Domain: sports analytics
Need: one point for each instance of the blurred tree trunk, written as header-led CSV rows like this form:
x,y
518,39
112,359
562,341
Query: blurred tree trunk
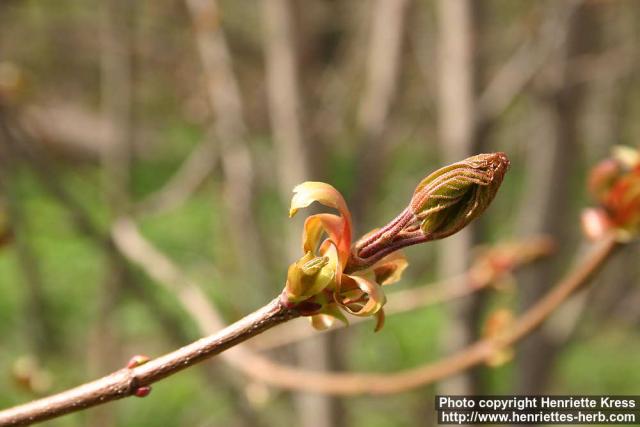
x,y
459,138
117,25
383,67
38,317
287,123
42,332
230,129
549,205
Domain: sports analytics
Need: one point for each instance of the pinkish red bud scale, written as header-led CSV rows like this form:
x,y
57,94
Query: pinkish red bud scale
x,y
142,391
137,360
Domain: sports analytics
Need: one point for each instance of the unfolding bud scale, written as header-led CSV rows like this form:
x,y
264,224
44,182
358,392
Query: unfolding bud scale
x,y
333,275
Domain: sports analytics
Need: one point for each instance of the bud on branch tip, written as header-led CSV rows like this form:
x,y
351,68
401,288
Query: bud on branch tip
x,y
335,276
444,203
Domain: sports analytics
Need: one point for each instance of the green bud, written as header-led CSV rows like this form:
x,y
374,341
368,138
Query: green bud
x,y
442,204
451,197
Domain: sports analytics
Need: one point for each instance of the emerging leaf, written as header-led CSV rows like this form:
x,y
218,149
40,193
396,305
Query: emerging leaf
x,y
338,228
310,275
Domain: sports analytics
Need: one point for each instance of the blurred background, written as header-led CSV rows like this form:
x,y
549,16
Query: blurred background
x,y
194,119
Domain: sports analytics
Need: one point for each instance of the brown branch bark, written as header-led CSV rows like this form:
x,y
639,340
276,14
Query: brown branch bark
x,y
126,381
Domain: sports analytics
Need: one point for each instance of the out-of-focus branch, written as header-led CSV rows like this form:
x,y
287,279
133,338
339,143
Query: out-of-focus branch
x,y
610,65
138,250
71,130
491,267
548,189
229,127
383,64
283,88
182,184
127,381
526,62
23,147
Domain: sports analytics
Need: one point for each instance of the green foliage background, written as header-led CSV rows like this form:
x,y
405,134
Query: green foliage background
x,y
56,46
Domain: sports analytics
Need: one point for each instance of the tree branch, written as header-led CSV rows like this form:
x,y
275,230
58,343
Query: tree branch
x,y
229,127
354,384
184,182
263,369
525,63
126,381
22,147
489,269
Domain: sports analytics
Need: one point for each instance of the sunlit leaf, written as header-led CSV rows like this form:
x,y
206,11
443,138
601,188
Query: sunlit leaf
x,y
311,191
316,225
